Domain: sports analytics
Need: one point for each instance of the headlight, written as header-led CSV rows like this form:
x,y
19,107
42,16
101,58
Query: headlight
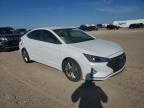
x,y
3,38
93,58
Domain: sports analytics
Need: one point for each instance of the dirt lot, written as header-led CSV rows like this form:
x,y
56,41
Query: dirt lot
x,y
38,86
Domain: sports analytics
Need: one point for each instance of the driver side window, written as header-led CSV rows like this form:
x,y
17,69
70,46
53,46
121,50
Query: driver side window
x,y
49,37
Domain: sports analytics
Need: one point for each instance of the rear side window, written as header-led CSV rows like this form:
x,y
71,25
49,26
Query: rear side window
x,y
49,37
36,35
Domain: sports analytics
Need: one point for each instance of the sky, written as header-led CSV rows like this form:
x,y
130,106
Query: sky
x,y
63,13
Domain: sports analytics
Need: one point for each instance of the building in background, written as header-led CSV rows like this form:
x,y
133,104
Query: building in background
x,y
127,23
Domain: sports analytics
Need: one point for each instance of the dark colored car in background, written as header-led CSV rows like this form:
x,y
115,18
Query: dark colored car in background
x,y
21,31
93,27
112,27
137,25
9,39
83,27
88,27
99,25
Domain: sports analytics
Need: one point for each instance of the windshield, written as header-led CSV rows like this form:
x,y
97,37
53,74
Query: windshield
x,y
6,30
72,35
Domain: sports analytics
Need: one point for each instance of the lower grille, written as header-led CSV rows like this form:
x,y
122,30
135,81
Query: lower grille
x,y
12,43
117,63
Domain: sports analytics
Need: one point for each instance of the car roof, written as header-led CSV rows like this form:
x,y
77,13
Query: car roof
x,y
53,28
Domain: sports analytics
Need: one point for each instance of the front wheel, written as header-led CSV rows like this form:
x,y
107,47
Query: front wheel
x,y
25,56
72,70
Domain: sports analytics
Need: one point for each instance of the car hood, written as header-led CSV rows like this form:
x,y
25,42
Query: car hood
x,y
98,47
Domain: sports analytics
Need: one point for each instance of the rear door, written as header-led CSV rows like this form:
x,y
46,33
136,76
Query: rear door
x,y
33,44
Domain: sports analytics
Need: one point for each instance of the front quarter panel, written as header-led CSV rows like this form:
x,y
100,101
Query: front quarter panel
x,y
21,44
69,52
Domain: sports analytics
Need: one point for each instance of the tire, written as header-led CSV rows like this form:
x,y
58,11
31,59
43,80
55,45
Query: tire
x,y
72,70
25,56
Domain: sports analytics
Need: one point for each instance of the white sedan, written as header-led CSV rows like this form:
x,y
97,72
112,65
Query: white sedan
x,y
78,54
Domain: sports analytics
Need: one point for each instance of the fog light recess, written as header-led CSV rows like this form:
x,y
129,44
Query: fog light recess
x,y
93,71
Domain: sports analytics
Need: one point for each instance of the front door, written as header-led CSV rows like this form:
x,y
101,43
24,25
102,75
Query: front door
x,y
50,49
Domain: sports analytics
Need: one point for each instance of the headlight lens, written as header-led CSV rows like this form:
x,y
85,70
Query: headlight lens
x,y
3,39
93,58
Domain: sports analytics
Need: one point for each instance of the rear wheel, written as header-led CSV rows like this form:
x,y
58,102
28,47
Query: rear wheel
x,y
72,70
25,56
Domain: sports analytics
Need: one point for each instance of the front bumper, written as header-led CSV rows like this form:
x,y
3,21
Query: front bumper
x,y
9,44
102,71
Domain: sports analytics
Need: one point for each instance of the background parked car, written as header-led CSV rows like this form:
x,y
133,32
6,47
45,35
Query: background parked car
x,y
21,31
112,27
93,27
88,27
83,27
138,25
99,25
8,38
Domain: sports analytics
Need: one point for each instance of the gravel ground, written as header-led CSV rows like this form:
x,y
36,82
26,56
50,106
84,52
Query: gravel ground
x,y
36,85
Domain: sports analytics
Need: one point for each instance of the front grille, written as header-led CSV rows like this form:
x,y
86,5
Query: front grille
x,y
13,38
117,63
